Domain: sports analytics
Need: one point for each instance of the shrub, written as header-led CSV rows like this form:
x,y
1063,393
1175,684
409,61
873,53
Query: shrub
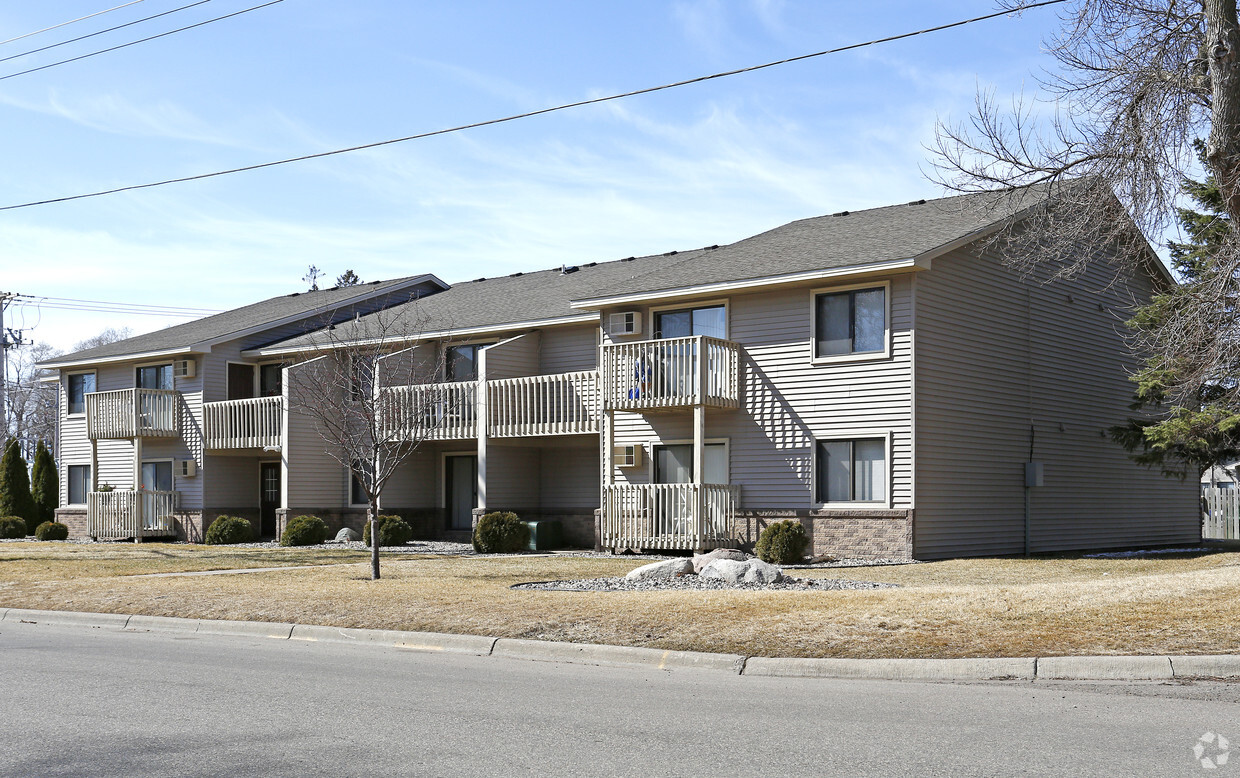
x,y
12,527
44,484
782,543
304,531
500,533
15,499
226,530
51,530
393,531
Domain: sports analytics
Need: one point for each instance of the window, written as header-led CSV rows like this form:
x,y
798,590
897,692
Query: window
x,y
357,495
673,463
79,483
240,381
157,476
850,322
461,362
271,379
155,377
852,470
80,385
710,320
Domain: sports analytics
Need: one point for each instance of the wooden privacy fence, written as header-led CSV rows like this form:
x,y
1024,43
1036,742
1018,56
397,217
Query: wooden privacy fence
x,y
130,413
1222,513
692,517
671,373
129,514
559,404
252,423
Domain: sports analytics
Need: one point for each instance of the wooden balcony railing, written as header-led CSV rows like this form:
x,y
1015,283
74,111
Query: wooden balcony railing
x,y
694,517
129,514
132,413
254,423
671,373
560,404
447,411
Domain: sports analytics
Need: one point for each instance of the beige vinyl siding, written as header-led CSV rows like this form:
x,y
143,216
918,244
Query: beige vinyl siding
x,y
234,482
311,477
569,349
513,474
513,357
569,478
788,401
74,445
996,355
417,482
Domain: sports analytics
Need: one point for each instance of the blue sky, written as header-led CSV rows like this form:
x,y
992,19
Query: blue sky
x,y
704,164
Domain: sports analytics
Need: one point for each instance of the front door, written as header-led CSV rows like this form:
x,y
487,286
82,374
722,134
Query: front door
x,y
269,498
461,490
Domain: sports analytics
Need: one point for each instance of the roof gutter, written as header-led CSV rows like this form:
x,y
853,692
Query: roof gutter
x,y
117,358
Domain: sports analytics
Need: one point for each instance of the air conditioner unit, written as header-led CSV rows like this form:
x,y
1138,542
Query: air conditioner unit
x,y
185,468
626,323
183,368
628,456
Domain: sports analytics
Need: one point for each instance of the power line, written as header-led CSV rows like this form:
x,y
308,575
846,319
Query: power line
x,y
71,21
151,38
528,114
135,305
101,32
100,306
124,311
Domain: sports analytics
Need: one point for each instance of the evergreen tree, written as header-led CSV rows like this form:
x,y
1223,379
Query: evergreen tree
x,y
1186,438
44,484
15,499
348,278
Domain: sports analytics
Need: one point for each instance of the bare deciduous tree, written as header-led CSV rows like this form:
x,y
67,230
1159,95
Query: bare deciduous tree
x,y
1112,131
368,387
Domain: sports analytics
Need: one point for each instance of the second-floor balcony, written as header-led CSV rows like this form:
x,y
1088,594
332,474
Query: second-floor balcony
x,y
671,373
132,413
256,422
443,411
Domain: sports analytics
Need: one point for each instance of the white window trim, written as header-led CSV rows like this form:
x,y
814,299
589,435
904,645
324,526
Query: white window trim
x,y
653,443
866,356
886,503
654,310
89,480
95,373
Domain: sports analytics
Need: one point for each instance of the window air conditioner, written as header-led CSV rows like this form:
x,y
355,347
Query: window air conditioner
x,y
183,368
185,468
626,323
628,456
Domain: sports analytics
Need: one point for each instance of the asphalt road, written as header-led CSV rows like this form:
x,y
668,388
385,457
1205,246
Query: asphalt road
x,y
93,702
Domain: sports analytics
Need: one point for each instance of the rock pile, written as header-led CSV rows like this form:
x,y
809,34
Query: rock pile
x,y
725,564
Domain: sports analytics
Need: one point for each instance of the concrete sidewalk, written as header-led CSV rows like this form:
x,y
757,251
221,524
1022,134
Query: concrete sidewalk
x,y
1060,668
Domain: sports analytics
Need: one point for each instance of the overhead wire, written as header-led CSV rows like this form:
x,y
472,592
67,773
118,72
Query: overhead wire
x,y
101,32
527,114
143,40
72,21
100,306
106,302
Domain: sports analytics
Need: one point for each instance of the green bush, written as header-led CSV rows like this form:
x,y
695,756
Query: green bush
x,y
782,543
500,533
226,530
304,531
12,527
393,531
51,530
15,499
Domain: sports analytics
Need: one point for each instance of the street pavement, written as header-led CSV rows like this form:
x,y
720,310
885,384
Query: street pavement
x,y
84,701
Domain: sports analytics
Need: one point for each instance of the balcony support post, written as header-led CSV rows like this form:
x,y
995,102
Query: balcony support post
x,y
482,419
137,486
699,475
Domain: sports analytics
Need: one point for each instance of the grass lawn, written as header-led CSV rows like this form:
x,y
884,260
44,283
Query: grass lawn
x,y
1183,604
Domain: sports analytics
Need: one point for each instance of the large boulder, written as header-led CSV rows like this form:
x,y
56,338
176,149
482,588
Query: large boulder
x,y
733,572
347,535
672,568
702,560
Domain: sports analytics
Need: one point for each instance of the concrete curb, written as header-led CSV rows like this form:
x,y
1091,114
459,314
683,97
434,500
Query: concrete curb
x,y
985,669
592,654
411,641
1057,668
1105,668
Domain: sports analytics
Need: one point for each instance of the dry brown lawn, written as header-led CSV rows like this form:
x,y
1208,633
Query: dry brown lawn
x,y
977,607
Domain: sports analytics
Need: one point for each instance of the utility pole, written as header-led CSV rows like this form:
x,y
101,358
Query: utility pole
x,y
8,339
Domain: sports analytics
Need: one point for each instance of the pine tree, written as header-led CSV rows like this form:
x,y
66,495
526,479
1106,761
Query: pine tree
x,y
15,499
348,278
44,484
1185,439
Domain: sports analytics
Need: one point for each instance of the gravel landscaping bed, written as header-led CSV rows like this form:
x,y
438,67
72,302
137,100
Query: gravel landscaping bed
x,y
693,582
